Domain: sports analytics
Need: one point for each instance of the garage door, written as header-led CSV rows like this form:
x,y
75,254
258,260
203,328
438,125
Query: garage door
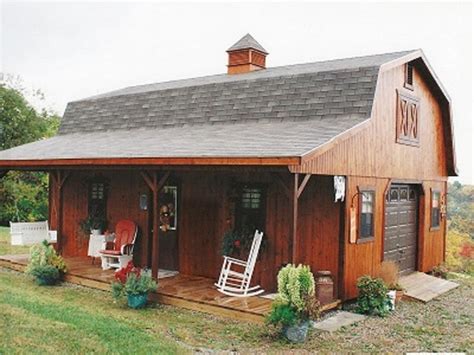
x,y
401,226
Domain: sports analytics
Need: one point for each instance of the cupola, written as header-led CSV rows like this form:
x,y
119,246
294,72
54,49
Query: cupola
x,y
246,55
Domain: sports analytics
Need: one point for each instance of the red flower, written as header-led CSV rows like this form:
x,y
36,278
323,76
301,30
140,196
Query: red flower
x,y
122,274
237,243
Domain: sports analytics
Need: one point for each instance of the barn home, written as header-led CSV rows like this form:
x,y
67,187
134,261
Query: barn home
x,y
342,164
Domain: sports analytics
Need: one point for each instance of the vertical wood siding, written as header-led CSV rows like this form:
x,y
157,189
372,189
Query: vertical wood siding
x,y
373,158
205,213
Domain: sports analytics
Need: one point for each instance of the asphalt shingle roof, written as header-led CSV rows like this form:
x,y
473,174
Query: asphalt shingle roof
x,y
282,111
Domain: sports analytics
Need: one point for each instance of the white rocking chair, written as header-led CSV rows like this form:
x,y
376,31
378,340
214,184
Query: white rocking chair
x,y
236,283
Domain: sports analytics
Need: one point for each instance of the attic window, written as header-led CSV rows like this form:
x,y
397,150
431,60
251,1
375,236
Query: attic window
x,y
407,119
409,76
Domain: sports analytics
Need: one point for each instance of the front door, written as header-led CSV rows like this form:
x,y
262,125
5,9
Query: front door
x,y
401,226
168,234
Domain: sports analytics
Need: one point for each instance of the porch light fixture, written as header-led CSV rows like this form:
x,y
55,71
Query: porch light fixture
x,y
143,202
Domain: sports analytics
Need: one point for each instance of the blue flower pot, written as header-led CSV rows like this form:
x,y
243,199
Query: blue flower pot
x,y
137,301
296,333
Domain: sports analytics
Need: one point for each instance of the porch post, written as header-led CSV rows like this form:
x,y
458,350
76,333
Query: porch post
x,y
59,177
297,190
155,242
155,186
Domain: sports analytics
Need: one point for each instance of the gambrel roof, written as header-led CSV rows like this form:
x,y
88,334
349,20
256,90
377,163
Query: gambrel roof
x,y
278,112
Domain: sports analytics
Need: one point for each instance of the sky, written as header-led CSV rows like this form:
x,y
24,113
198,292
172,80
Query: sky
x,y
72,50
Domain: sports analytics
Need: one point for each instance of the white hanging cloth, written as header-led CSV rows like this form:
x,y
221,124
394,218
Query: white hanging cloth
x,y
339,188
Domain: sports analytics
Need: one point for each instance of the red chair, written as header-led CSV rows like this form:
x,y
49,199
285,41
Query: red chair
x,y
122,247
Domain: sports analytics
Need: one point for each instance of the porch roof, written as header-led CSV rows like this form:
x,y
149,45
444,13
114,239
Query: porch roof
x,y
244,140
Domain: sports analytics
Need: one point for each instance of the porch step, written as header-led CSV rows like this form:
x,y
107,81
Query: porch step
x,y
423,287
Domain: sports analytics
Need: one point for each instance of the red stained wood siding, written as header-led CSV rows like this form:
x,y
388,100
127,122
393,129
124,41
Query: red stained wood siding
x,y
372,157
206,212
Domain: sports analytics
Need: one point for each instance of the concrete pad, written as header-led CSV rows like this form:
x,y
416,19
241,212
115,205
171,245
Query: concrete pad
x,y
423,287
339,320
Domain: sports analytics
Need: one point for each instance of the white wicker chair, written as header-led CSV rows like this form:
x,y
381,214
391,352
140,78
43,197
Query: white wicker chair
x,y
236,274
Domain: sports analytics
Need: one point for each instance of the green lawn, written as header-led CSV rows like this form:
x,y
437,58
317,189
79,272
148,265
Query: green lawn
x,y
6,248
73,319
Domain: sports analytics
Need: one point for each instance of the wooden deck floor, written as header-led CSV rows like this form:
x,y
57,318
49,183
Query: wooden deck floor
x,y
191,292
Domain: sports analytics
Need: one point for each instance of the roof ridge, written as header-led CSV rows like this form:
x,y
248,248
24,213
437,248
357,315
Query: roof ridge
x,y
207,79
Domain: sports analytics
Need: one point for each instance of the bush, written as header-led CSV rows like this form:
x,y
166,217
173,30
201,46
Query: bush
x,y
373,298
296,301
440,271
295,284
45,262
459,252
45,274
282,314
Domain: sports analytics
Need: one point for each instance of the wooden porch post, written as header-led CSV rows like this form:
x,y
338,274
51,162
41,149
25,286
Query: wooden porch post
x,y
59,177
297,190
155,186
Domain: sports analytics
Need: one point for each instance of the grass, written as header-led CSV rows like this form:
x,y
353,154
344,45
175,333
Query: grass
x,y
6,248
74,319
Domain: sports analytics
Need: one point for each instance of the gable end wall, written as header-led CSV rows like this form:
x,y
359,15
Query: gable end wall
x,y
371,157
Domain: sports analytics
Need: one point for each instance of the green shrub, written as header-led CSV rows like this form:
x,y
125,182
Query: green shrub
x,y
373,298
440,271
47,272
295,284
45,262
296,301
282,314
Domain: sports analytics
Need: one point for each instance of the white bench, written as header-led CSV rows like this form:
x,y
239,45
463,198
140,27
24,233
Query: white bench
x,y
29,233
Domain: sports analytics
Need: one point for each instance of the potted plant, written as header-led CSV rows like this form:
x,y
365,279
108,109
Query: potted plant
x,y
135,283
296,303
373,296
238,242
45,265
389,273
93,224
440,271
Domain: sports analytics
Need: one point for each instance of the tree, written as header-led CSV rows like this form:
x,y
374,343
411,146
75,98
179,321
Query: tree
x,y
23,195
461,208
